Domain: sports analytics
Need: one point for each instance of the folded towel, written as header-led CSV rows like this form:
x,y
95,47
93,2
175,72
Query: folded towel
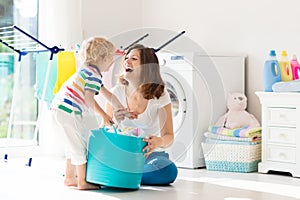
x,y
290,86
230,138
244,132
216,141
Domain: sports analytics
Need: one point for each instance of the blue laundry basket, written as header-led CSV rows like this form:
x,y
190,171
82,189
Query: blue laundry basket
x,y
115,160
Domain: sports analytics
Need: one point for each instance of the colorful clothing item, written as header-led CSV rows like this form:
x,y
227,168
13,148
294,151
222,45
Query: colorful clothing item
x,y
70,97
243,132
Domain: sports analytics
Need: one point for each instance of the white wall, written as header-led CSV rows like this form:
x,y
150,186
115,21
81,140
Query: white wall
x,y
233,26
60,22
109,18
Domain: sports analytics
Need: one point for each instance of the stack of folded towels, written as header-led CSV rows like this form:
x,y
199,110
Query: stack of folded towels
x,y
244,134
237,150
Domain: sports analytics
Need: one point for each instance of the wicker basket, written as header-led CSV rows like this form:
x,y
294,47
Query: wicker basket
x,y
231,157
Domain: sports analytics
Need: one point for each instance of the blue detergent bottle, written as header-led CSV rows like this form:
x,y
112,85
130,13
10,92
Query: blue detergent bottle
x,y
271,72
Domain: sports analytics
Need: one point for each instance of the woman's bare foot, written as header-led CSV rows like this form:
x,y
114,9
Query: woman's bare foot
x,y
88,186
70,182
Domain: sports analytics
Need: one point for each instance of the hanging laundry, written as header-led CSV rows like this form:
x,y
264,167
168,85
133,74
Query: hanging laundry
x,y
42,62
66,67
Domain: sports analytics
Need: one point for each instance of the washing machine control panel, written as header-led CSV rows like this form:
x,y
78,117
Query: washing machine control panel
x,y
170,59
177,57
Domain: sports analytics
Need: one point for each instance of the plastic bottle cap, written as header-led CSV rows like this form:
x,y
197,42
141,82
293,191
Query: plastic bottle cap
x,y
284,53
272,53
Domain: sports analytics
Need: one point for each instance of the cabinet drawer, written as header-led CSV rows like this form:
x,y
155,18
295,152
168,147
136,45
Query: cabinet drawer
x,y
281,135
281,154
282,116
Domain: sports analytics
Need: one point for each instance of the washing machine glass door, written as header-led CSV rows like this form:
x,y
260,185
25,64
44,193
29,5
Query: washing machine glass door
x,y
178,100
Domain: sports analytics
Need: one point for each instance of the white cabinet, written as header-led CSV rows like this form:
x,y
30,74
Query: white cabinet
x,y
280,132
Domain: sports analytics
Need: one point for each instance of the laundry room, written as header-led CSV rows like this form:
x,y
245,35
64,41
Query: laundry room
x,y
168,99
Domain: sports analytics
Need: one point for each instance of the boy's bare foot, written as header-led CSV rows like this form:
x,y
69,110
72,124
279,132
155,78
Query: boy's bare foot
x,y
88,186
70,182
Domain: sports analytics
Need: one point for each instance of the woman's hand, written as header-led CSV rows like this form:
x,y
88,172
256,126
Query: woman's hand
x,y
120,114
153,143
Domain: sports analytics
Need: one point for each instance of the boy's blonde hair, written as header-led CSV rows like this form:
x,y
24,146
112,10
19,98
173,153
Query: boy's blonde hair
x,y
96,49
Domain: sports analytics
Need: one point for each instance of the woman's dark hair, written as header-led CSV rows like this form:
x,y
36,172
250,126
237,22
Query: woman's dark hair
x,y
152,85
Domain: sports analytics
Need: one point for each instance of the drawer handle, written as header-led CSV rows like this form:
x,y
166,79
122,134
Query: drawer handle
x,y
282,156
282,116
282,135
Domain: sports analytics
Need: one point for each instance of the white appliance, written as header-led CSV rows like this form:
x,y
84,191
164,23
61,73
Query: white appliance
x,y
198,86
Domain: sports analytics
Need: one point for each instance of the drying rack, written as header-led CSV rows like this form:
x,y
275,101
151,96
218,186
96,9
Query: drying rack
x,y
168,42
23,43
122,51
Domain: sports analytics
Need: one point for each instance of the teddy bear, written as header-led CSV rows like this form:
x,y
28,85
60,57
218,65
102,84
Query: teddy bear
x,y
237,116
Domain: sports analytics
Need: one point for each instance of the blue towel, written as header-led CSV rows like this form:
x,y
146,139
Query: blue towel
x,y
42,60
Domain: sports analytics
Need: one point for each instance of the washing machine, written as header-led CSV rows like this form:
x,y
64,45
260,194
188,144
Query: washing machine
x,y
198,86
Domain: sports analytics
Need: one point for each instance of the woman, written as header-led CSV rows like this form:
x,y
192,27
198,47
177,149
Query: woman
x,y
142,92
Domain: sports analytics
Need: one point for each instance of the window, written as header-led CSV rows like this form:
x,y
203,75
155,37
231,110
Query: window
x,y
23,13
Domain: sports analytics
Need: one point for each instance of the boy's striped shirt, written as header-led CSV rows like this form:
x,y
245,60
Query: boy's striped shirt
x,y
70,98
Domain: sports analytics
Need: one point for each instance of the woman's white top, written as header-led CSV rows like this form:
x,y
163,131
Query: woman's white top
x,y
148,121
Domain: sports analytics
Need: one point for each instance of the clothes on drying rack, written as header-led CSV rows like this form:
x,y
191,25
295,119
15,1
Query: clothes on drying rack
x,y
66,67
42,61
63,65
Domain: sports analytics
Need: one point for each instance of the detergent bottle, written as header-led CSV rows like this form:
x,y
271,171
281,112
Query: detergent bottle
x,y
271,72
295,67
285,67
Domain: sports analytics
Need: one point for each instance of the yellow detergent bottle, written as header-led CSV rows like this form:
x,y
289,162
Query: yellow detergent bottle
x,y
285,67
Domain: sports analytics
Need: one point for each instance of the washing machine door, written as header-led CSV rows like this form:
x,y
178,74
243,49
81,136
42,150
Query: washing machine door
x,y
178,99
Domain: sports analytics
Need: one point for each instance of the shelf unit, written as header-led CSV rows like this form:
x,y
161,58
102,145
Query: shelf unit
x,y
280,132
